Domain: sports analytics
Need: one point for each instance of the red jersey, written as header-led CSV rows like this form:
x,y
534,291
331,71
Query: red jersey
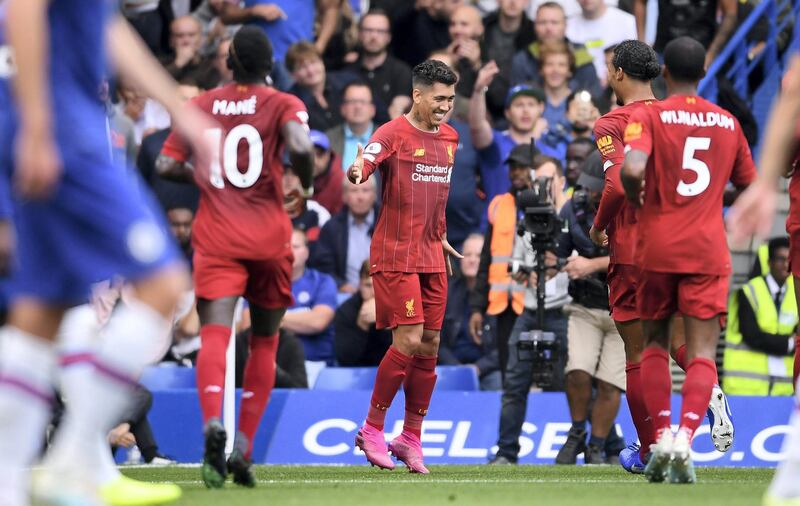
x,y
241,212
615,214
415,168
694,149
793,218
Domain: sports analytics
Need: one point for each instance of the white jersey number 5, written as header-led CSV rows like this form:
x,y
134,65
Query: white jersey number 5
x,y
699,167
230,156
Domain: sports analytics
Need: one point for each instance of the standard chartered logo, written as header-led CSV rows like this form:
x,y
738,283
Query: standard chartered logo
x,y
432,173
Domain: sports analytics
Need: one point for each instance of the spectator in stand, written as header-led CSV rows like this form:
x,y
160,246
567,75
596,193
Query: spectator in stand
x,y
697,20
150,18
581,114
357,342
344,242
551,27
221,63
147,115
577,151
328,175
186,39
214,30
358,111
320,92
466,32
424,28
507,31
286,22
457,346
388,78
598,27
306,214
557,67
180,216
524,107
760,335
311,316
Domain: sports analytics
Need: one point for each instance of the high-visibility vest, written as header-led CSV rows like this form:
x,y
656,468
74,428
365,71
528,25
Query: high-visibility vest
x,y
503,217
747,371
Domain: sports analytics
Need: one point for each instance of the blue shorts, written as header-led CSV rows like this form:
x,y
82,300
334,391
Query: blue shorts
x,y
98,223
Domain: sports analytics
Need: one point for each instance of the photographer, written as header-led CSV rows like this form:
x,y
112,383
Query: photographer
x,y
596,352
520,370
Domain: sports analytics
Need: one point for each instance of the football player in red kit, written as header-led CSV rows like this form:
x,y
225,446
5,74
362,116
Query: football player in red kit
x,y
681,153
241,238
410,257
632,68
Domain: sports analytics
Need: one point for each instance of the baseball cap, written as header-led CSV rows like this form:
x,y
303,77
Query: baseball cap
x,y
522,155
524,90
320,140
592,176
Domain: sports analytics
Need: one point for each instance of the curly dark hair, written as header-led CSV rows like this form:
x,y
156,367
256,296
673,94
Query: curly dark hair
x,y
250,55
685,59
637,59
432,71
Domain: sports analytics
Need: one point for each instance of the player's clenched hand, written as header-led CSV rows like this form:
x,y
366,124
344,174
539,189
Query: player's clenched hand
x,y
752,213
449,250
599,237
355,172
38,164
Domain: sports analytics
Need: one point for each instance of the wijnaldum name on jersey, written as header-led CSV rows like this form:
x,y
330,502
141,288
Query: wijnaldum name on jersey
x,y
702,119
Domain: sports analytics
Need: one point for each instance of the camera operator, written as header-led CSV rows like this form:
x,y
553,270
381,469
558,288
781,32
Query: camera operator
x,y
520,371
596,352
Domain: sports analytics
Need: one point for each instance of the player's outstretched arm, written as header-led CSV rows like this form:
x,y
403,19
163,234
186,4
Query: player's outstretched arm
x,y
356,171
135,63
38,163
754,211
301,153
633,175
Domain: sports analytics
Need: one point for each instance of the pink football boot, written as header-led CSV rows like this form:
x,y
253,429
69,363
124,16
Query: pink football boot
x,y
373,444
407,448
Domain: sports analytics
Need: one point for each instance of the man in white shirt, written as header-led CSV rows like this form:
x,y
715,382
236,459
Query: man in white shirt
x,y
599,26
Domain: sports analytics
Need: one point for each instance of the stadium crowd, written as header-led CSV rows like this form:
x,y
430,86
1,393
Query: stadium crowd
x,y
532,84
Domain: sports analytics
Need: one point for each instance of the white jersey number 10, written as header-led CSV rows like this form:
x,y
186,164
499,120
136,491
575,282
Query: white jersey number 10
x,y
230,156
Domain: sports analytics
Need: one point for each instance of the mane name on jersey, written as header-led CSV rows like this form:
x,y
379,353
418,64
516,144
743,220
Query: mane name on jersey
x,y
224,107
432,173
695,119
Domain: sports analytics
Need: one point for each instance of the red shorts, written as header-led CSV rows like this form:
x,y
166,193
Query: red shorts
x,y
622,282
264,283
794,251
409,298
663,294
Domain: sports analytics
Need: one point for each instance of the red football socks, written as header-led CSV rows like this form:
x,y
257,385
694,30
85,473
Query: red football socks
x,y
391,373
211,369
700,377
259,378
635,397
418,388
657,385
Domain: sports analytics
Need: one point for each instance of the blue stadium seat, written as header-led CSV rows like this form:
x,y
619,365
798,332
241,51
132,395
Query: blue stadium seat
x,y
456,377
168,377
346,378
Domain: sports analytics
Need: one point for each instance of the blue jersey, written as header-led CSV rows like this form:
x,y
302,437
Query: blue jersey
x,y
298,24
96,224
312,289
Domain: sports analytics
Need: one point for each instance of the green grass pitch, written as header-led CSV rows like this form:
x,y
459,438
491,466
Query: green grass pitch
x,y
466,485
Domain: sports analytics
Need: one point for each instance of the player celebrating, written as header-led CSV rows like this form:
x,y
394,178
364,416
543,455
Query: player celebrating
x,y
410,257
79,220
241,238
681,246
631,69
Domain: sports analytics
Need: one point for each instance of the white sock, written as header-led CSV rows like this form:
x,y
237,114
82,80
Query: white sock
x,y
785,482
127,345
78,336
26,377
